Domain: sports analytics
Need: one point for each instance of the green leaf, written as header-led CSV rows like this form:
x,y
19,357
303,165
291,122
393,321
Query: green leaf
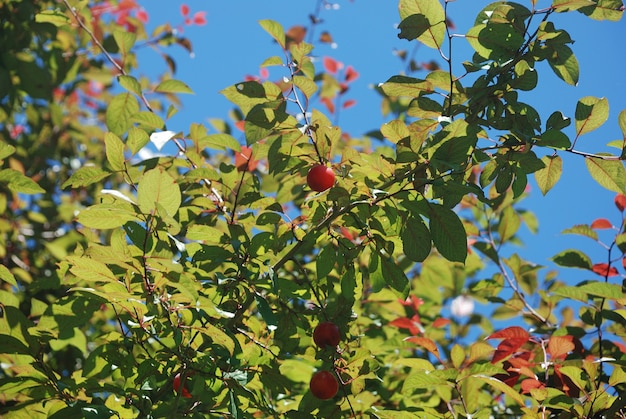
x,y
495,41
557,121
130,83
137,139
416,240
90,270
6,150
423,20
19,183
509,223
525,76
448,233
395,130
554,139
376,277
85,176
583,230
114,148
158,187
621,119
503,387
124,40
591,113
51,16
608,173
325,261
561,6
119,112
604,10
7,276
398,86
573,259
275,30
306,85
603,289
106,216
547,177
564,63
148,120
219,142
266,312
173,86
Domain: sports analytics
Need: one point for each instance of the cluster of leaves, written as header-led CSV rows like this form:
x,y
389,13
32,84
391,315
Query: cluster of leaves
x,y
125,275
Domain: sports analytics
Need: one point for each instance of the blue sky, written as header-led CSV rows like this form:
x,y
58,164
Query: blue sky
x,y
232,45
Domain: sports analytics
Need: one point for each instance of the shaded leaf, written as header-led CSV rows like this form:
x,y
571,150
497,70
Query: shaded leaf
x,y
448,233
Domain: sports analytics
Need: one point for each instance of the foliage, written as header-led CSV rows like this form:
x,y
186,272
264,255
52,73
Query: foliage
x,y
126,274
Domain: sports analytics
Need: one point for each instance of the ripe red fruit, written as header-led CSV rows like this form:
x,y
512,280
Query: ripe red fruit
x,y
324,385
320,178
185,393
326,334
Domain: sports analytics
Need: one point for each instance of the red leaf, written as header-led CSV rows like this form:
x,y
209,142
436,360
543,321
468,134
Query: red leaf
x,y
514,332
349,103
440,322
351,74
624,262
199,18
620,202
450,24
142,15
331,65
603,269
506,348
244,161
412,301
329,104
514,337
531,383
184,10
601,223
560,346
413,324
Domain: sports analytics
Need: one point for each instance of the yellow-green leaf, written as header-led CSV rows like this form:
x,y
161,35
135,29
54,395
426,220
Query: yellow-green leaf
x,y
424,20
114,149
610,174
18,182
275,29
173,86
157,186
119,113
547,177
84,176
591,113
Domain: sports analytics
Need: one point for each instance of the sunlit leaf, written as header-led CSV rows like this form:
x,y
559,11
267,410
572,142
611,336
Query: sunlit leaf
x,y
591,113
85,176
610,174
551,173
173,86
423,20
157,186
